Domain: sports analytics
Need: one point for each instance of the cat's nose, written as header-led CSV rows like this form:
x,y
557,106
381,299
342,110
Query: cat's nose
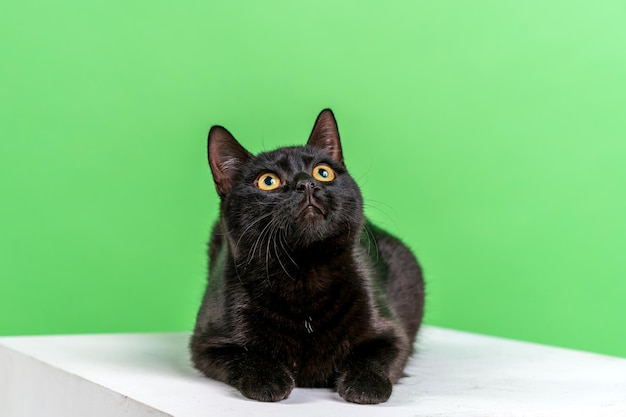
x,y
304,182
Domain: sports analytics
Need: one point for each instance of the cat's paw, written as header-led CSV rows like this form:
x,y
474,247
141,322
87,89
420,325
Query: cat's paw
x,y
364,386
268,384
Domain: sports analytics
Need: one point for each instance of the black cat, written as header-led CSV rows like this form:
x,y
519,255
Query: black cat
x,y
302,290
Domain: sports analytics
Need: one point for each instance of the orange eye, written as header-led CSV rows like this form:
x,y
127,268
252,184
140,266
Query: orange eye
x,y
268,181
324,173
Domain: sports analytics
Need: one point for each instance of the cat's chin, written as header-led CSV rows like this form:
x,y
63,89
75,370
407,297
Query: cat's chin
x,y
311,228
311,213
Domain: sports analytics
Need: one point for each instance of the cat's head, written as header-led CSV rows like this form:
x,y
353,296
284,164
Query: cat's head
x,y
287,199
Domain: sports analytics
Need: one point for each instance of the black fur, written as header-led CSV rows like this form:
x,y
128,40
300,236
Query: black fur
x,y
302,290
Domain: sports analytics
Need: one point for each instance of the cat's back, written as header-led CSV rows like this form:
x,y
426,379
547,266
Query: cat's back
x,y
398,274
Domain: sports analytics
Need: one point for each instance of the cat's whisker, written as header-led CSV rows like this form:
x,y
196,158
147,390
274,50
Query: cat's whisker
x,y
281,240
382,208
280,262
249,227
371,239
267,253
381,203
258,241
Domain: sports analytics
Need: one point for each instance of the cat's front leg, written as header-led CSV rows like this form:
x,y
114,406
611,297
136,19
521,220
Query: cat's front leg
x,y
255,376
367,375
261,379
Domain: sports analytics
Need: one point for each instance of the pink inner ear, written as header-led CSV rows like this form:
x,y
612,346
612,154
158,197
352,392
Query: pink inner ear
x,y
226,157
325,135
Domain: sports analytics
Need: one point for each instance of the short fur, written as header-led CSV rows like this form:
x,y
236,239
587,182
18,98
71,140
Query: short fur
x,y
302,290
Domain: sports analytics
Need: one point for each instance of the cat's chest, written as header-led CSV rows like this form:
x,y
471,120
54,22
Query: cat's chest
x,y
310,329
310,323
314,356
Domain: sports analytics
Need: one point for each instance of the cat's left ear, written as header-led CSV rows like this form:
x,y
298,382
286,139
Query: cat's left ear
x,y
325,136
226,157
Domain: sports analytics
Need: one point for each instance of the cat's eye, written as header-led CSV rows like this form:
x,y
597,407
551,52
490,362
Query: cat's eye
x,y
324,173
268,181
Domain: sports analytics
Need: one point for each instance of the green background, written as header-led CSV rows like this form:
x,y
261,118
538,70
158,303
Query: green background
x,y
489,135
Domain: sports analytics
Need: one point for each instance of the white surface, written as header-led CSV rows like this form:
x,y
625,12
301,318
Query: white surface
x,y
453,374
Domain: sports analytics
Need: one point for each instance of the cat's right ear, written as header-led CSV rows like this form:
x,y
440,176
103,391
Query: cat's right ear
x,y
325,136
226,157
